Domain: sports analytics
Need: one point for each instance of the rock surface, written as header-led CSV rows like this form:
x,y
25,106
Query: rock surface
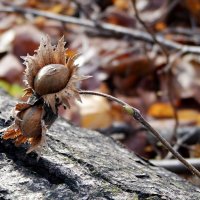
x,y
82,164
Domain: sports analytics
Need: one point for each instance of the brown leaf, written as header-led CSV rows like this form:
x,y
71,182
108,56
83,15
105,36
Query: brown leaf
x,y
161,110
187,73
95,112
11,134
11,69
27,39
21,106
188,116
194,7
195,151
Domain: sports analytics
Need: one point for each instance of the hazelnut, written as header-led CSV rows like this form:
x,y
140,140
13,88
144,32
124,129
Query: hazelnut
x,y
31,121
51,78
52,74
30,125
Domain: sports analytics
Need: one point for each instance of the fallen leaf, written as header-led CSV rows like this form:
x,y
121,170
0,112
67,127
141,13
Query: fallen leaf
x,y
161,110
195,151
95,112
187,72
160,26
194,7
121,4
7,22
188,115
12,89
11,70
27,39
6,40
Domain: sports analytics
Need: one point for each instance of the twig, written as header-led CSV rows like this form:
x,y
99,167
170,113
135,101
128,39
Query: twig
x,y
165,12
180,142
150,32
135,113
175,166
111,98
135,34
167,68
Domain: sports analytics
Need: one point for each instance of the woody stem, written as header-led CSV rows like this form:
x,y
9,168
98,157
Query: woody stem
x,y
135,113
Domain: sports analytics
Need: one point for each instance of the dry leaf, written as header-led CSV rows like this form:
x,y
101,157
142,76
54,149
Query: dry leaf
x,y
194,7
6,40
27,39
195,151
187,73
188,116
95,112
161,110
11,69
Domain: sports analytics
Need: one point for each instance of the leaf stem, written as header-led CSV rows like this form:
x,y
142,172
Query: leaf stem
x,y
135,113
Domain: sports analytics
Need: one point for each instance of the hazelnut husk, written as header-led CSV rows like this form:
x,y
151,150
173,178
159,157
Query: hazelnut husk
x,y
51,77
30,125
52,74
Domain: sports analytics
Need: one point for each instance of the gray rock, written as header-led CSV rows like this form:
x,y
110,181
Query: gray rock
x,y
82,164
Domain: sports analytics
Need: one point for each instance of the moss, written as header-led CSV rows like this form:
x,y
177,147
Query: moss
x,y
135,197
152,198
111,188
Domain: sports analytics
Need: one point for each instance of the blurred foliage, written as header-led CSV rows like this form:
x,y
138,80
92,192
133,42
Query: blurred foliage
x,y
12,89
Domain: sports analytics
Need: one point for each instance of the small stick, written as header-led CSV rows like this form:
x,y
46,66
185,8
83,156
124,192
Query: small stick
x,y
165,52
135,113
176,166
167,69
115,30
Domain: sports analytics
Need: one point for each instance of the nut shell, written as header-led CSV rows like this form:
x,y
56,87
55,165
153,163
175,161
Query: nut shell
x,y
51,79
30,123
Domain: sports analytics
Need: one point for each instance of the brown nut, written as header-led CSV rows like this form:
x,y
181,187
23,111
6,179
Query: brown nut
x,y
51,79
29,126
31,121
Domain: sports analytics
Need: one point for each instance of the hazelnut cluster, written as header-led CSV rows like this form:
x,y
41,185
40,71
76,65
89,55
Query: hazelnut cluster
x,y
51,78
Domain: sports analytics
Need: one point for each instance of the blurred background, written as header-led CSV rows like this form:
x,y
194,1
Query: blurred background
x,y
162,81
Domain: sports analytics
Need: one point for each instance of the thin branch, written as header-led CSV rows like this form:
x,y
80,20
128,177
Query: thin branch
x,y
176,166
165,12
167,68
135,34
165,52
135,113
111,98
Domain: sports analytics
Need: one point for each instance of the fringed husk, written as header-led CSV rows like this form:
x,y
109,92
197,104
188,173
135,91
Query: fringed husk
x,y
49,54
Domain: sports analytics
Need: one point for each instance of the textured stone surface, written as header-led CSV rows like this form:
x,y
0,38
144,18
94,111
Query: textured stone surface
x,y
82,164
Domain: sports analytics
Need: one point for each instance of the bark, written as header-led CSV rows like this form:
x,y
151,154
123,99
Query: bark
x,y
82,164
